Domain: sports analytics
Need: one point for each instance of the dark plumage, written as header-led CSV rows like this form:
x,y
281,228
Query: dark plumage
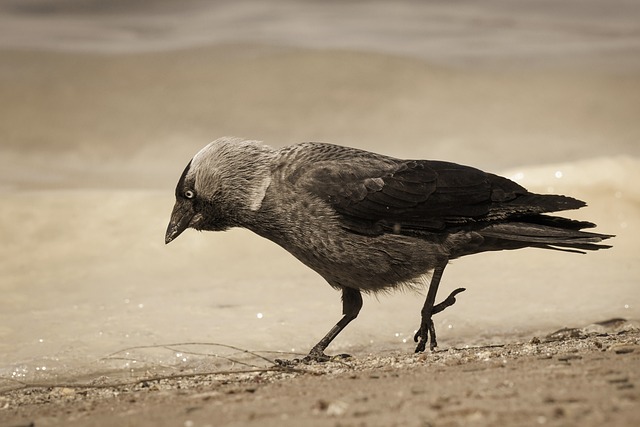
x,y
368,222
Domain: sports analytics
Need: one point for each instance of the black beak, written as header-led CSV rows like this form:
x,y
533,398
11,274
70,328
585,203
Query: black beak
x,y
181,217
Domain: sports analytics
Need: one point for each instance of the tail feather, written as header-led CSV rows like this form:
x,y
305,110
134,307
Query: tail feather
x,y
550,202
531,206
556,221
576,249
547,232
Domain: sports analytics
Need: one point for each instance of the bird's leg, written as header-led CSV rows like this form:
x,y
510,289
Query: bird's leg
x,y
351,305
426,324
427,328
448,302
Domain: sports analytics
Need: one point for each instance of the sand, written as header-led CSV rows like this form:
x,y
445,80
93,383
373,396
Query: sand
x,y
571,377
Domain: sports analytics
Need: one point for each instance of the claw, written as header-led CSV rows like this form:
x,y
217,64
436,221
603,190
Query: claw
x,y
322,358
427,327
312,357
432,331
316,357
448,301
421,346
286,363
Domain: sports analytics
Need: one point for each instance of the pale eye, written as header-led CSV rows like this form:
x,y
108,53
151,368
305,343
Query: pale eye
x,y
189,194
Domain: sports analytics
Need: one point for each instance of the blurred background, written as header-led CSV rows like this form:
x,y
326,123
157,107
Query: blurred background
x,y
103,102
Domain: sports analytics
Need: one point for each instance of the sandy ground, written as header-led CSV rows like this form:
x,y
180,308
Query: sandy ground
x,y
571,377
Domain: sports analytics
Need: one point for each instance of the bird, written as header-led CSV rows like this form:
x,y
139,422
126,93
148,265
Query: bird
x,y
366,222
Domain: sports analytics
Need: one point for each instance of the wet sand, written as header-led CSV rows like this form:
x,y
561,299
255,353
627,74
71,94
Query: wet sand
x,y
571,377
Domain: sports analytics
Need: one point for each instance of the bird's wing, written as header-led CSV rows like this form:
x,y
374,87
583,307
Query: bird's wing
x,y
374,194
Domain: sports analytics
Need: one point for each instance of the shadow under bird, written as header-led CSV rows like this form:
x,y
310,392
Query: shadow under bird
x,y
367,222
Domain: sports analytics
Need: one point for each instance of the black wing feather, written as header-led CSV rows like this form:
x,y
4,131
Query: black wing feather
x,y
374,194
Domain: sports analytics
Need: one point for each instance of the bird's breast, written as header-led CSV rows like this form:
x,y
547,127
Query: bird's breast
x,y
311,231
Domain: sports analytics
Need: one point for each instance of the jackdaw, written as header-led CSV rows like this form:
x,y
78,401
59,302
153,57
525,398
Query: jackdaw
x,y
367,222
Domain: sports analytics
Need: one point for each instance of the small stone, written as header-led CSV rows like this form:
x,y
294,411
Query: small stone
x,y
568,357
335,409
622,348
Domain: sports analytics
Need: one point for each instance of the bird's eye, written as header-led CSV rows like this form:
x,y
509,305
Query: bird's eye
x,y
189,194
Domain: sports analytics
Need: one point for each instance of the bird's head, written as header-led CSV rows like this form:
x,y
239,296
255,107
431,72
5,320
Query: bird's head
x,y
221,186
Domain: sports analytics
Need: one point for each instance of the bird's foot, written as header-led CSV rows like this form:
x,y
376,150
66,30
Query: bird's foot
x,y
312,357
322,358
427,328
287,363
317,355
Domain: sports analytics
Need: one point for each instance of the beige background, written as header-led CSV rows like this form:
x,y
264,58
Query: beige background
x,y
102,106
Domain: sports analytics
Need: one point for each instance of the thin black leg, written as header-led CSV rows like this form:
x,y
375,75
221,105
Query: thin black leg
x,y
351,305
427,328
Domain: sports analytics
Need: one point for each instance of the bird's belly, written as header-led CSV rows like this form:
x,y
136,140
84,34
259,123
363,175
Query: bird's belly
x,y
368,263
312,233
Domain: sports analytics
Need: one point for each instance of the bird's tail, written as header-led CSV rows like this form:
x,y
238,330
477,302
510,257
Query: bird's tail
x,y
547,232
